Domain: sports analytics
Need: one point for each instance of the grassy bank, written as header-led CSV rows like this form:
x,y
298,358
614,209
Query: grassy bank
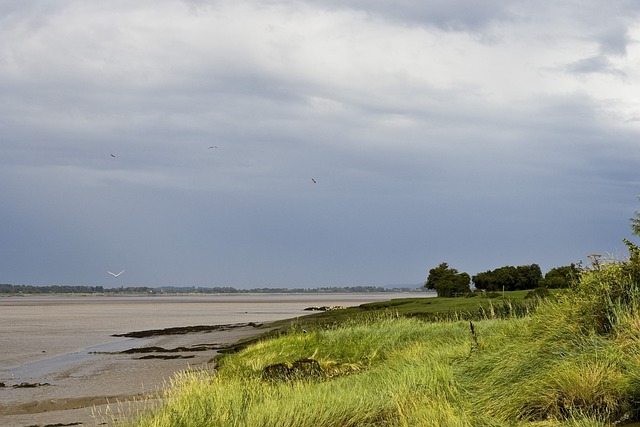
x,y
477,306
573,360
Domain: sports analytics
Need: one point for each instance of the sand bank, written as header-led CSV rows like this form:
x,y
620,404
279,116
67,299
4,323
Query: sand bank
x,y
123,378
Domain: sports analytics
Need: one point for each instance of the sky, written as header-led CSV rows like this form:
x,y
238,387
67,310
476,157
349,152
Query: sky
x,y
306,143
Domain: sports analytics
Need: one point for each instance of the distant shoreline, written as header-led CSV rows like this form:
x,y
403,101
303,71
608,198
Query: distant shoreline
x,y
83,290
201,294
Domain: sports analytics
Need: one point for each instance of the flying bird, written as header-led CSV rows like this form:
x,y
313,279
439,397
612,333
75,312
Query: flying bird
x,y
113,156
214,146
314,181
114,274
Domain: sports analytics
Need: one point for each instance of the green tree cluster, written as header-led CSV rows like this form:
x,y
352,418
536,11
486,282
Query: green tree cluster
x,y
560,277
447,282
509,278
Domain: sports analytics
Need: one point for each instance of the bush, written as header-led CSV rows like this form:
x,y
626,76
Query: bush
x,y
608,290
538,293
492,294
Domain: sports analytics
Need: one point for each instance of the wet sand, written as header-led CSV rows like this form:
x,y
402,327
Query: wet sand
x,y
61,363
78,394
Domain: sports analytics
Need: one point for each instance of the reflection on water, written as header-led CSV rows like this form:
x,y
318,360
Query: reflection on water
x,y
69,364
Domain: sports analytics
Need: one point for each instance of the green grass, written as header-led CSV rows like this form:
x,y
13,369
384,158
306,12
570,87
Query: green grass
x,y
571,361
500,305
427,308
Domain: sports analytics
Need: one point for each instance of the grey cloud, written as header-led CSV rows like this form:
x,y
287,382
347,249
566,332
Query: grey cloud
x,y
615,41
449,15
594,64
612,42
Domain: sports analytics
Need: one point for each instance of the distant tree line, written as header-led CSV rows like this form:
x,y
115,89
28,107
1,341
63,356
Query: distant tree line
x,y
53,289
232,290
448,282
70,289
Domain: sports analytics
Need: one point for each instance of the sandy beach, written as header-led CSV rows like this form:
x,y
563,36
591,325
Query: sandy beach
x,y
67,361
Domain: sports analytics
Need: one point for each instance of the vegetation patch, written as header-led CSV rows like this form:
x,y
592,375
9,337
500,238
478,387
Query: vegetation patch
x,y
166,356
185,330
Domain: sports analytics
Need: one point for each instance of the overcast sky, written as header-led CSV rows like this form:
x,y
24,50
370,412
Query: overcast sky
x,y
481,134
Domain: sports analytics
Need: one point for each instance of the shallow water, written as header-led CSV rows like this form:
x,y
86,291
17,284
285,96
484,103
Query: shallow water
x,y
45,370
65,347
43,335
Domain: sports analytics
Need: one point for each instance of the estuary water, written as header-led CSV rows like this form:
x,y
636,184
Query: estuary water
x,y
59,355
36,328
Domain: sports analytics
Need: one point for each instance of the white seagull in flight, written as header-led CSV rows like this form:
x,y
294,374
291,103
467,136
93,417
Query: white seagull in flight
x,y
114,274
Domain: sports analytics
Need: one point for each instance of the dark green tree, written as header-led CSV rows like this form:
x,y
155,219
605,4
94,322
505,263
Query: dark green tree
x,y
506,278
509,278
560,277
485,281
447,282
529,276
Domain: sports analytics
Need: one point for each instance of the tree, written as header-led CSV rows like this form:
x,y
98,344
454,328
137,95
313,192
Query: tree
x,y
560,277
485,281
529,276
509,278
447,282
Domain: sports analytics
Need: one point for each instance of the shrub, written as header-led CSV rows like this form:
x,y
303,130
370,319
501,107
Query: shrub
x,y
538,293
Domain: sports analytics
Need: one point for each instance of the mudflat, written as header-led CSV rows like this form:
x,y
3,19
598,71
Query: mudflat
x,y
84,361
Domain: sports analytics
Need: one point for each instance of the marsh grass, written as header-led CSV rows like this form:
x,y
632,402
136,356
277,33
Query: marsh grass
x,y
572,361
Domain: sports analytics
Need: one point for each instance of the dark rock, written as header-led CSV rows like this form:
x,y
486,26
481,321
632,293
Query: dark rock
x,y
303,369
29,385
166,357
63,425
325,308
185,330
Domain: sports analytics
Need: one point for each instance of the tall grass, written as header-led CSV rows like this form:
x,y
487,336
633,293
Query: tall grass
x,y
377,373
574,361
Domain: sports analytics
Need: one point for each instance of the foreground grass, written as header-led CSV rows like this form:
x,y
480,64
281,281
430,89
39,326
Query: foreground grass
x,y
572,362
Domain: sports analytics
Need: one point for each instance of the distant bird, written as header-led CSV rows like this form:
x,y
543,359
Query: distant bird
x,y
113,156
213,146
114,274
314,181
